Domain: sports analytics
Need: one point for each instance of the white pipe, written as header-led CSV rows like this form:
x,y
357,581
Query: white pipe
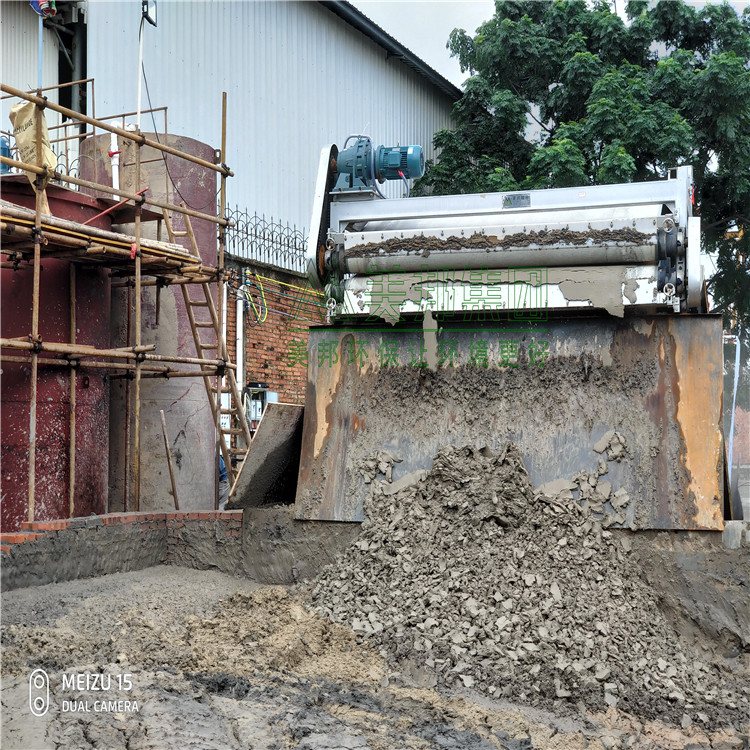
x,y
223,331
140,72
734,403
224,311
239,357
41,48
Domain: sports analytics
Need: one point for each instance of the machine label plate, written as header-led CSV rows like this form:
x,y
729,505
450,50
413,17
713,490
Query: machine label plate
x,y
518,200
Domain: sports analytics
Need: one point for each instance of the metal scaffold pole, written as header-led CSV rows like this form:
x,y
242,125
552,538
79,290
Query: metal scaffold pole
x,y
128,399
33,234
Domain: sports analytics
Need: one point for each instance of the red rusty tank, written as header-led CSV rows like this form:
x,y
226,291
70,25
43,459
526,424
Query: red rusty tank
x,y
190,424
92,309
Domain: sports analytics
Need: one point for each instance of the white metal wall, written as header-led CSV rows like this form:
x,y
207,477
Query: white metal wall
x,y
20,56
297,78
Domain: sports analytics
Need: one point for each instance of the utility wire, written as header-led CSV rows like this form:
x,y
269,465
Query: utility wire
x,y
163,155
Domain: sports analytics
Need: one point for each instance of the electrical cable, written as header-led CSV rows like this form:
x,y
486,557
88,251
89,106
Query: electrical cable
x,y
406,182
258,286
293,286
163,155
246,307
211,201
304,302
259,319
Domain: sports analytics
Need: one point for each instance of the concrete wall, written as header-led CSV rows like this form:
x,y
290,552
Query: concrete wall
x,y
52,551
278,549
264,544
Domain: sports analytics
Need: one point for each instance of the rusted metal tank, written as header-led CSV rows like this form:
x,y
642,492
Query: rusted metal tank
x,y
92,307
166,324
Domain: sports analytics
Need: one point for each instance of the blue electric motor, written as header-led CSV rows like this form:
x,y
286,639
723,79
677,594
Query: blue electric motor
x,y
5,151
360,165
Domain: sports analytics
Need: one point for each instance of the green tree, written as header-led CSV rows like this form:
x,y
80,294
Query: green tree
x,y
611,101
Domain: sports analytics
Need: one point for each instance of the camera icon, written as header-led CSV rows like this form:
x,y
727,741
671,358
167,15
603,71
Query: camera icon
x,y
39,692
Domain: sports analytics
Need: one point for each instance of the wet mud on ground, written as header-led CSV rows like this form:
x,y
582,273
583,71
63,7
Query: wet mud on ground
x,y
219,662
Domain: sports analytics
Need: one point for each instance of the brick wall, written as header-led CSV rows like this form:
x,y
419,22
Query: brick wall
x,y
275,345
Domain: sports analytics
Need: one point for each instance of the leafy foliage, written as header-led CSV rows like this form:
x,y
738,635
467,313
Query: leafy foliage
x,y
611,101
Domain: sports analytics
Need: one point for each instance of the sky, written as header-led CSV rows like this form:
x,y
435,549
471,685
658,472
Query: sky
x,y
424,26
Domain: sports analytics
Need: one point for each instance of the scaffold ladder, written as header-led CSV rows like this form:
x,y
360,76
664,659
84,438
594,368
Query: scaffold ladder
x,y
197,302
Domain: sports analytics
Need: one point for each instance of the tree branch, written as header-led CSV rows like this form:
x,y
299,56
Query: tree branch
x,y
541,125
728,220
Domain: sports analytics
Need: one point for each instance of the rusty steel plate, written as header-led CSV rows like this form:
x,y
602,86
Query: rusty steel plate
x,y
274,452
555,388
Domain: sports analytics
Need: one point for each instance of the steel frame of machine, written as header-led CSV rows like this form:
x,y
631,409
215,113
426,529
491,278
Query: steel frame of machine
x,y
446,252
30,236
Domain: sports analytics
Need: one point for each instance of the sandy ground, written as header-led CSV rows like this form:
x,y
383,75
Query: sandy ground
x,y
217,662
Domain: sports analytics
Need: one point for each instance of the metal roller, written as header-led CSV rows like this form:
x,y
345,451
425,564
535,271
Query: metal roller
x,y
427,258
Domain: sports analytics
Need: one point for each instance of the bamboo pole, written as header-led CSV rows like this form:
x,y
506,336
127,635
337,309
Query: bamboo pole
x,y
171,250
125,368
166,281
35,321
223,192
138,137
82,351
83,249
72,374
128,398
169,459
137,395
168,375
220,298
139,199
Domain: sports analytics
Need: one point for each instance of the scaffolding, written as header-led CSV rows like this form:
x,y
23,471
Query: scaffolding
x,y
135,262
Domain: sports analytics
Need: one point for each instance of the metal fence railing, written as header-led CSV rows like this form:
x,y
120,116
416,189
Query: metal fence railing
x,y
254,237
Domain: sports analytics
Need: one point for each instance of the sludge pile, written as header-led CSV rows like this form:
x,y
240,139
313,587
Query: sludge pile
x,y
470,573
